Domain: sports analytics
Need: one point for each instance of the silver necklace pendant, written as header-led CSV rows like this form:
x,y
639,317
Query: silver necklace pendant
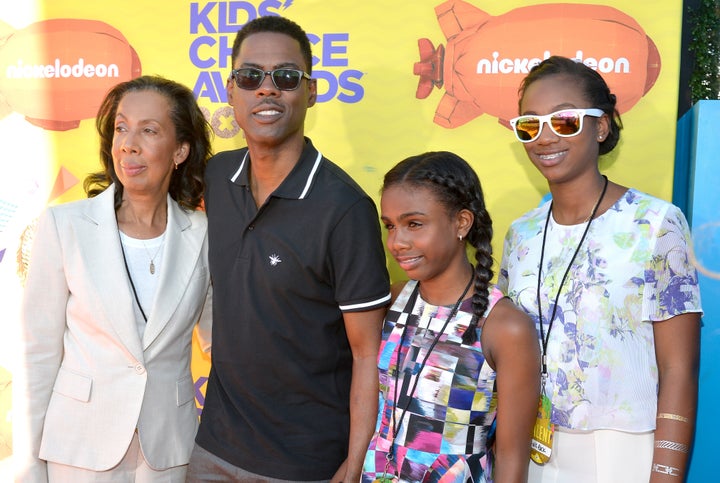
x,y
152,257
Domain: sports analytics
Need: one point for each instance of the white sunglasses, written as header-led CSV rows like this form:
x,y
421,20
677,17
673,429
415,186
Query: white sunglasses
x,y
565,123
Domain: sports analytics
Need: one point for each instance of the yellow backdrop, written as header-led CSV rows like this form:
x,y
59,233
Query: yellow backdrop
x,y
378,105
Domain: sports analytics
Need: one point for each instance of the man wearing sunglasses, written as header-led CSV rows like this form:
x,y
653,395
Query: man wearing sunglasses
x,y
300,284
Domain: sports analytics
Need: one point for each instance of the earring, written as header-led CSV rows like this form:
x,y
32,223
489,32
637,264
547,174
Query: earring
x,y
460,237
176,166
600,138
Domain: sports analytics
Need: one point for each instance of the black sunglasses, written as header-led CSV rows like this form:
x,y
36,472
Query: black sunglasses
x,y
250,78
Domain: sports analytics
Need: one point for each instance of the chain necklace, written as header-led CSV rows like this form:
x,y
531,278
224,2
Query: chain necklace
x,y
152,258
152,268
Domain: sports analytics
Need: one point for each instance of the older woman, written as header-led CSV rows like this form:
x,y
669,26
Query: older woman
x,y
116,285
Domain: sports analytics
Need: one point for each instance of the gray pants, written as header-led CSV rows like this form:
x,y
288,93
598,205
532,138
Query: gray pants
x,y
205,466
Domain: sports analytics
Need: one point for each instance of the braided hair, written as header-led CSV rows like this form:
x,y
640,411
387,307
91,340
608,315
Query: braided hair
x,y
594,87
456,186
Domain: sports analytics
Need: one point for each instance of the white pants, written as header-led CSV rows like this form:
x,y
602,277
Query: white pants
x,y
132,469
602,456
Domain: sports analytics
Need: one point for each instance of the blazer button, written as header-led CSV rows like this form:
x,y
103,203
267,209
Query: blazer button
x,y
139,368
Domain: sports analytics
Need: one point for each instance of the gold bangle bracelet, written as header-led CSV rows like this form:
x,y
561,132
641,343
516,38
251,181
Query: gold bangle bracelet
x,y
674,417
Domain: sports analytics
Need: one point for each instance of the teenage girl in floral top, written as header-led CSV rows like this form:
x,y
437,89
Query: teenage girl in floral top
x,y
458,363
615,299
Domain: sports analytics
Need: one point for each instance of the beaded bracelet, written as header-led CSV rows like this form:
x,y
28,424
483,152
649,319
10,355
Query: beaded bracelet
x,y
665,470
671,445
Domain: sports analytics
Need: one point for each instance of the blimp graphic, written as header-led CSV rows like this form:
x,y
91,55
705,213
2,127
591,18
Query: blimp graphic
x,y
486,57
56,72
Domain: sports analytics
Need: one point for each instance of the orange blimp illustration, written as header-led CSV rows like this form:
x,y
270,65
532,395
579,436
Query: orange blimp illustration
x,y
56,72
486,57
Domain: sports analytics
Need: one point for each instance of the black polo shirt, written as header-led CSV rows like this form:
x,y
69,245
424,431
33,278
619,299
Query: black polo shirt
x,y
277,402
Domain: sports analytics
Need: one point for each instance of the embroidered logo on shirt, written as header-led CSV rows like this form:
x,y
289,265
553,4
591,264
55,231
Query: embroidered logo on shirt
x,y
274,259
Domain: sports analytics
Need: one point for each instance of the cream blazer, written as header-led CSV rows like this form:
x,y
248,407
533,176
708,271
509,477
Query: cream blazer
x,y
86,381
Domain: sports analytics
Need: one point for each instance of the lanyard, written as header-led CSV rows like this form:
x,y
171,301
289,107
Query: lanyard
x,y
408,307
545,339
127,269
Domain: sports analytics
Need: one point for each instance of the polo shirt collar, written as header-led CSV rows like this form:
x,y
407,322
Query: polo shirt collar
x,y
299,181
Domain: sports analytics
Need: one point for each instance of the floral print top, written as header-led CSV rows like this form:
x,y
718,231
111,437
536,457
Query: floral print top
x,y
632,270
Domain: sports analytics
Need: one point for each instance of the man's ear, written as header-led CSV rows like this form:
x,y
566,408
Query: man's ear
x,y
312,87
229,90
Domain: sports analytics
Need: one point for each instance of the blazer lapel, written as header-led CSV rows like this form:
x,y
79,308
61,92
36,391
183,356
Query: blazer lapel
x,y
183,245
103,255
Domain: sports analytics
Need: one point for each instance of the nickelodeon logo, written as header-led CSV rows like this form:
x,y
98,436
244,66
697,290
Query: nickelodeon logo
x,y
497,65
58,69
56,72
486,57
